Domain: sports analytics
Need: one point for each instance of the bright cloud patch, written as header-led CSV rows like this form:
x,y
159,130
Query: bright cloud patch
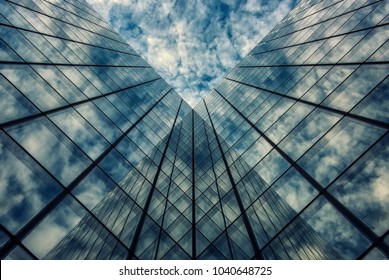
x,y
193,44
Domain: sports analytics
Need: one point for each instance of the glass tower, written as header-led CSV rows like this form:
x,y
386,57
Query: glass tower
x,y
287,158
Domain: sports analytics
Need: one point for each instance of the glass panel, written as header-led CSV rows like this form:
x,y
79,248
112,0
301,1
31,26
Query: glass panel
x,y
178,228
60,83
116,166
336,232
376,104
294,190
51,148
330,81
80,81
289,120
94,188
131,151
271,167
13,104
338,149
375,254
4,237
111,112
308,132
140,140
21,45
99,121
343,47
19,254
44,47
32,86
81,132
274,114
25,187
45,236
364,188
7,54
241,245
355,87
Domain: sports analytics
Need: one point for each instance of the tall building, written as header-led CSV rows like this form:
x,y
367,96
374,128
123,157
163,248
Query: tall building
x,y
287,158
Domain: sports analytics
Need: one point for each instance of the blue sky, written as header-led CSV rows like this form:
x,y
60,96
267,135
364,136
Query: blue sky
x,y
193,44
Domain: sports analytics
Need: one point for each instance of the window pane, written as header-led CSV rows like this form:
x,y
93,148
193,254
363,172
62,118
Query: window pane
x,y
51,148
81,132
338,149
32,86
364,188
335,230
13,104
25,187
308,132
54,227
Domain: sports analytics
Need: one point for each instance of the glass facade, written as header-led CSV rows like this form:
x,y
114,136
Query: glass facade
x,y
287,158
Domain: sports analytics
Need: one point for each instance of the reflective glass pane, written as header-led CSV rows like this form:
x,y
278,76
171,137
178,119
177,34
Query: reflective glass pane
x,y
364,188
32,86
338,148
93,188
25,187
308,132
115,165
51,148
80,131
335,230
294,190
54,227
13,104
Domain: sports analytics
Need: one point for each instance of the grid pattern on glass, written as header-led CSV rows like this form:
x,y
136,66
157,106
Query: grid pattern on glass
x,y
285,159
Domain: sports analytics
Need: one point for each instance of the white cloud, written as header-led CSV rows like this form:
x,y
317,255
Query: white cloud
x,y
192,45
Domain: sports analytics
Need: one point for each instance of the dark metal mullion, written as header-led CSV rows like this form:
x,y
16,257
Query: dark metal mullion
x,y
104,242
125,198
245,219
131,209
272,224
138,230
373,245
270,240
70,105
268,237
336,111
16,241
351,217
66,191
97,237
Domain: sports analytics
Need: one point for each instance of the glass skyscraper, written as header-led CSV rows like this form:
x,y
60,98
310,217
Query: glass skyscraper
x,y
287,158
